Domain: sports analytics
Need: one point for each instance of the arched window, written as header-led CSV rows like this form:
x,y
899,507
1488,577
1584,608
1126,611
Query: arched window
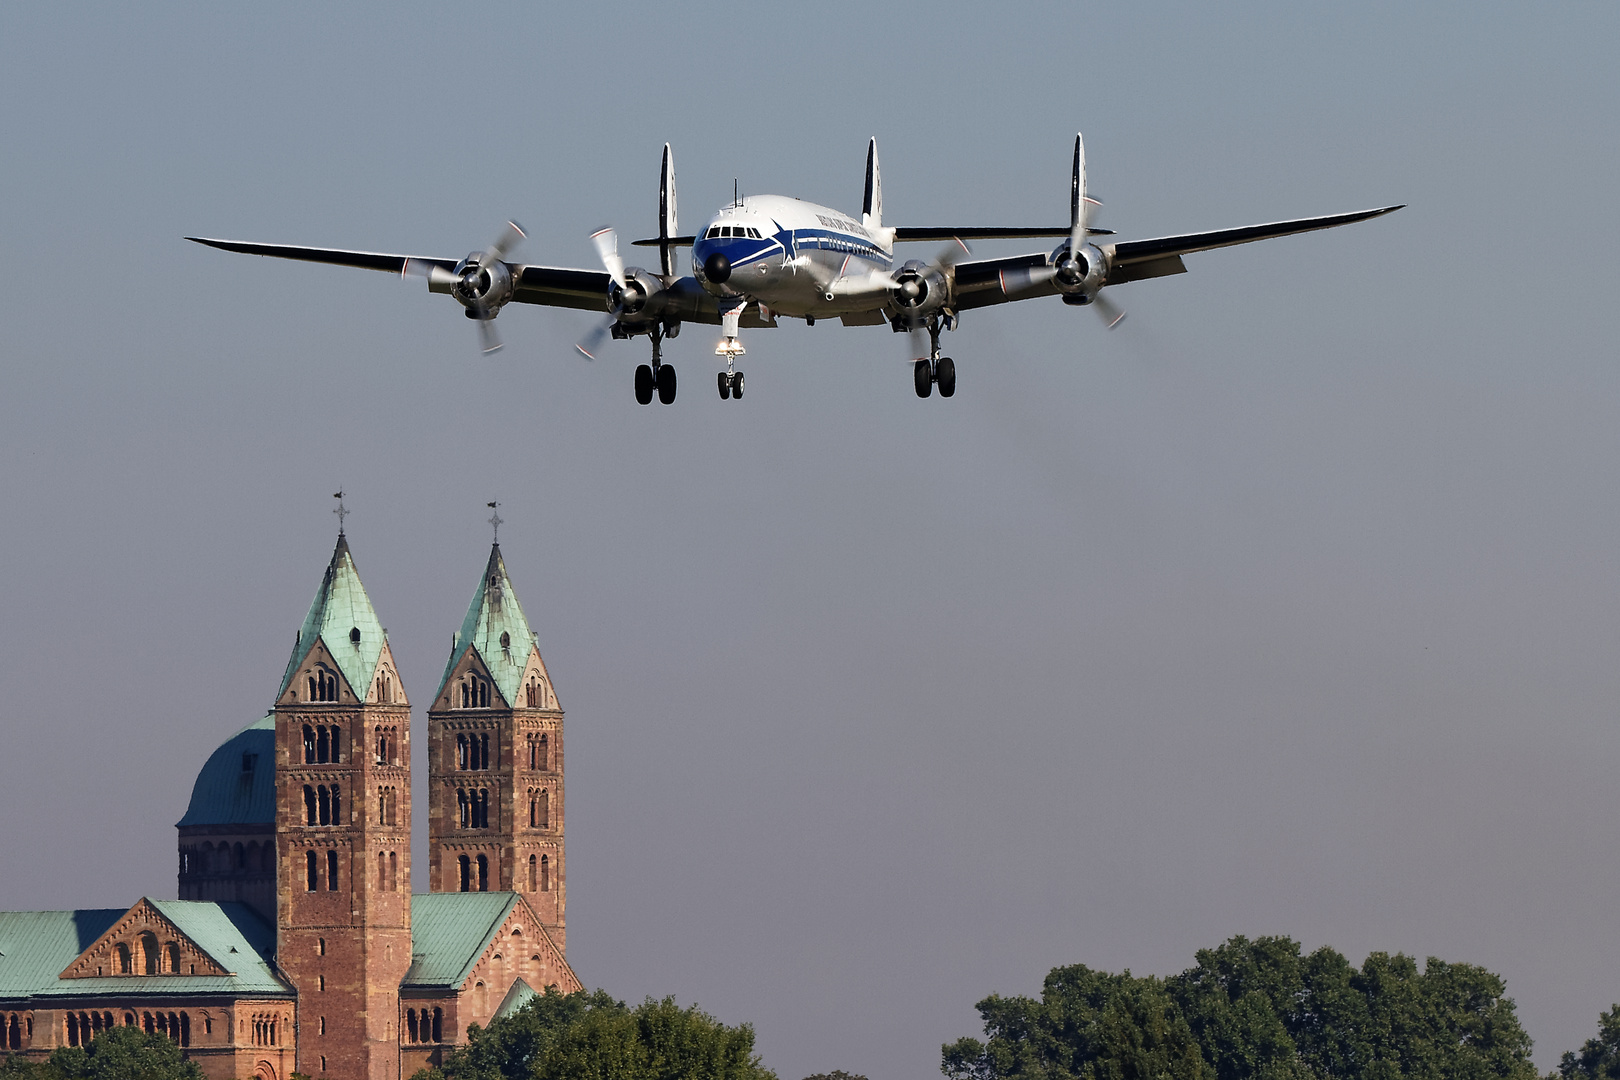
x,y
463,759
72,1030
481,810
309,736
545,809
483,751
323,745
545,756
171,957
483,694
337,742
121,955
241,856
410,1021
534,811
438,1028
332,871
545,873
185,1029
466,883
462,805
532,861
382,870
149,953
483,874
325,800
393,871
382,806
309,805
337,805
311,874
267,857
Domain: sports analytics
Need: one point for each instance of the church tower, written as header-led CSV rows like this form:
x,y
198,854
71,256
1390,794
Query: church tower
x,y
495,760
343,826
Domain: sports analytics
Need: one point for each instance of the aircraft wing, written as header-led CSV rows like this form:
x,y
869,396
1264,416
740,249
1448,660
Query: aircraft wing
x,y
550,286
983,282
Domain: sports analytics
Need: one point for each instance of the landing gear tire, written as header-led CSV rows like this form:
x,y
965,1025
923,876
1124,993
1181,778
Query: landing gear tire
x,y
736,385
945,375
644,385
666,384
725,386
923,378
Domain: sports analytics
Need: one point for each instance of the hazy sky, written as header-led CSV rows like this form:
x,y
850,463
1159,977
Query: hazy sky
x,y
1288,608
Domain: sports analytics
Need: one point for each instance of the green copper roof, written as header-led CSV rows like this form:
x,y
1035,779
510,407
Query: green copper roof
x,y
495,611
450,931
340,607
227,792
517,997
36,946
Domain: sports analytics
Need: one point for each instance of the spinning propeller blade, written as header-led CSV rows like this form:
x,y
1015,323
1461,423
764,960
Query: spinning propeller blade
x,y
607,249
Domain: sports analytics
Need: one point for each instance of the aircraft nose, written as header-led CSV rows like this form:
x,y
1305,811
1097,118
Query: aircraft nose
x,y
717,268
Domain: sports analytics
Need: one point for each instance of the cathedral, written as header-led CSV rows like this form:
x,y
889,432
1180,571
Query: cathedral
x,y
297,943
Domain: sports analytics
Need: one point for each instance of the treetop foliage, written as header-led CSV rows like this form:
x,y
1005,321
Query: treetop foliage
x,y
585,1036
1599,1058
120,1053
1259,1010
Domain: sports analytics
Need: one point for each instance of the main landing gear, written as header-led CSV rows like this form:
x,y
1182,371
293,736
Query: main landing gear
x,y
657,376
935,370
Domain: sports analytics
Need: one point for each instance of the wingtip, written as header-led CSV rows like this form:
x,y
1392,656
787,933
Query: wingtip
x,y
585,354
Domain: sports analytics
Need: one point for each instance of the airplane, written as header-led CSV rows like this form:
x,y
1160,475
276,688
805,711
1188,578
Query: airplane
x,y
763,258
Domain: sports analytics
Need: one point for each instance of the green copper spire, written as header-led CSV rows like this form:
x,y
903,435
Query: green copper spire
x,y
341,615
496,628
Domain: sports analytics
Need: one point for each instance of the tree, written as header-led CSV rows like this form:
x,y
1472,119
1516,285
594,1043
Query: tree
x,y
836,1074
1259,1010
1088,1025
1599,1058
120,1053
573,1036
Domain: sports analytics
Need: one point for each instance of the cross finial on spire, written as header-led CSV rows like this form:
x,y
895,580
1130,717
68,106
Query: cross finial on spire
x,y
495,519
341,511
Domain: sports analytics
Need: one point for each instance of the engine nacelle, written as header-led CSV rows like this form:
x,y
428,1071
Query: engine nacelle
x,y
481,289
919,290
1079,275
641,297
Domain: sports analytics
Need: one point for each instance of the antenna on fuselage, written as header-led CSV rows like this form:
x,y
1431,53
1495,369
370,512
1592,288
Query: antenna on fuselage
x,y
734,199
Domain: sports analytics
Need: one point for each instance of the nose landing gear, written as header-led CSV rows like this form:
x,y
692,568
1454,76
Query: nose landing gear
x,y
731,385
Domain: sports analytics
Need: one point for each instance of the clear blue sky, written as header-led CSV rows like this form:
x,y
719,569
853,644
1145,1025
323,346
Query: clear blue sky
x,y
1290,607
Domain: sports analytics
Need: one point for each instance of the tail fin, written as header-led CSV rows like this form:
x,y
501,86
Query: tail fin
x,y
872,204
666,213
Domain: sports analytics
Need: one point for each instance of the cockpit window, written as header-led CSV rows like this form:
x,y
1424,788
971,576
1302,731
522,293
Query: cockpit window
x,y
730,232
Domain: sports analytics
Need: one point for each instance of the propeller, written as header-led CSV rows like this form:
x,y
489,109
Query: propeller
x,y
607,249
482,282
1072,268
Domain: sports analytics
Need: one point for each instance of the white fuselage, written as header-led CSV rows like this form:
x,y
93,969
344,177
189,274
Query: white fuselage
x,y
796,258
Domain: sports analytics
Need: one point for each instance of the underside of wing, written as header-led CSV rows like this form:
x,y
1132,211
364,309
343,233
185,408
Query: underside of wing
x,y
545,285
946,233
365,260
1132,251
